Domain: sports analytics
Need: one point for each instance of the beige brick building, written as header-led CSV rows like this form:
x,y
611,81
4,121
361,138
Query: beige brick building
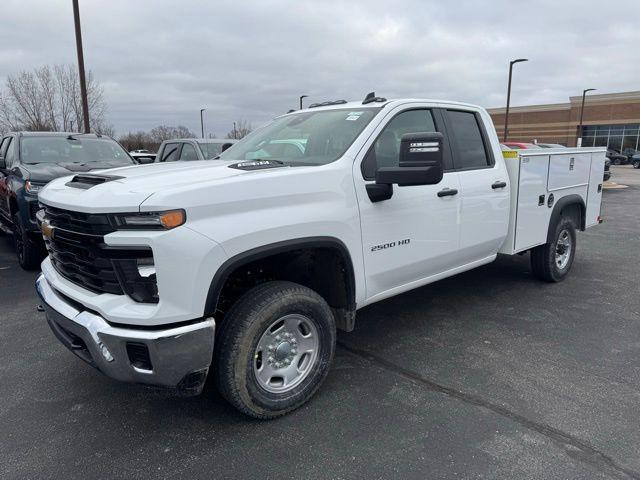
x,y
611,120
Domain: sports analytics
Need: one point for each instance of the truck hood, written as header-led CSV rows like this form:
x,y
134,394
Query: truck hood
x,y
128,187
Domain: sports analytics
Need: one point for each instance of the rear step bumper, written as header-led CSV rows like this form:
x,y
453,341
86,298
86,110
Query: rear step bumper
x,y
177,357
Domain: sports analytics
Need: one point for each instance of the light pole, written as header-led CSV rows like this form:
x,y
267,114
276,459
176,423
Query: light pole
x,y
506,115
301,97
202,121
584,94
83,82
234,130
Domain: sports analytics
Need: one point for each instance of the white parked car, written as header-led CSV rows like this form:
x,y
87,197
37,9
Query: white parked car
x,y
243,268
143,156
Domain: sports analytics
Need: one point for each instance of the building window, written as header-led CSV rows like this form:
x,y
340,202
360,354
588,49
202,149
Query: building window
x,y
621,138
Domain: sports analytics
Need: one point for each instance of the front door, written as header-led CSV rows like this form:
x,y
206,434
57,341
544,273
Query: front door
x,y
414,234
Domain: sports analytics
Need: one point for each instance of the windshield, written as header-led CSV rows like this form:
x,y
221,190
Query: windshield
x,y
73,149
307,138
210,150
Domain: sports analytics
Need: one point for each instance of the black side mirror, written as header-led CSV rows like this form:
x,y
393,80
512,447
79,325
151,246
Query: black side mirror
x,y
419,163
145,160
226,146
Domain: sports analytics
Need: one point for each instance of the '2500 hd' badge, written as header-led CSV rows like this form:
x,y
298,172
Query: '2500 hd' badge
x,y
384,246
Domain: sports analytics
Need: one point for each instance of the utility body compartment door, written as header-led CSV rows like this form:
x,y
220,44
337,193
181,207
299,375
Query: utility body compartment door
x,y
569,170
594,196
532,212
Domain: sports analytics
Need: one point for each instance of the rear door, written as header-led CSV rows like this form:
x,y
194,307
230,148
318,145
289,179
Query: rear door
x,y
484,186
413,235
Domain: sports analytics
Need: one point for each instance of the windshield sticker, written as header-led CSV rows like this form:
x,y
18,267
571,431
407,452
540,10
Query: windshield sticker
x,y
353,116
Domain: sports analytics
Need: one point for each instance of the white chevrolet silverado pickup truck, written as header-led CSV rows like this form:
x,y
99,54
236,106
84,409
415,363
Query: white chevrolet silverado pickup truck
x,y
243,268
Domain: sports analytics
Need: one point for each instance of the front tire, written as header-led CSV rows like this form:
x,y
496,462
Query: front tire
x,y
29,255
274,349
552,261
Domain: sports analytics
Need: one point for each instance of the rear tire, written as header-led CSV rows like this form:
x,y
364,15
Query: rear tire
x,y
552,261
29,255
274,349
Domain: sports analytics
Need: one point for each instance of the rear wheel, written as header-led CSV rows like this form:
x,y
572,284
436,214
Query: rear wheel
x,y
274,349
552,261
29,254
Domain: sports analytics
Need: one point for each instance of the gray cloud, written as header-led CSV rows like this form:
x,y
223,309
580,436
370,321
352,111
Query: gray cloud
x,y
161,61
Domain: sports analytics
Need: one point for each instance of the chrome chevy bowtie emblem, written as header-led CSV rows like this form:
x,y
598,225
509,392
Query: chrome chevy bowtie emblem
x,y
47,229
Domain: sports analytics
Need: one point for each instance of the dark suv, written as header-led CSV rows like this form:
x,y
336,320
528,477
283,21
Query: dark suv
x,y
28,160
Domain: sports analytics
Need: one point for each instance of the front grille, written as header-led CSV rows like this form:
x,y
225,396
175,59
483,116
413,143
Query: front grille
x,y
78,222
77,250
84,260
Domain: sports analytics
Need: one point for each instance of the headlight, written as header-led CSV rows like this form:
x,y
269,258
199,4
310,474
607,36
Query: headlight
x,y
33,188
151,220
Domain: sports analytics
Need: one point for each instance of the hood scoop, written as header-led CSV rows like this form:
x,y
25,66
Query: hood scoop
x,y
257,164
85,182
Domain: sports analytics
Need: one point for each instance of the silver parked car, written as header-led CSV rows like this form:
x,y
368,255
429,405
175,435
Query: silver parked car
x,y
185,149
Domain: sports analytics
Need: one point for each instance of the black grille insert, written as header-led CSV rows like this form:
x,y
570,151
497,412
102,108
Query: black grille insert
x,y
77,250
78,222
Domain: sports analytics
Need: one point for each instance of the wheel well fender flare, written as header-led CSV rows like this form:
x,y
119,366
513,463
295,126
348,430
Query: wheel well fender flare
x,y
264,251
564,202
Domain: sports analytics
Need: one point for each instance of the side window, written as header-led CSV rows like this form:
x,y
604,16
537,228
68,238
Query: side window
x,y
188,152
9,152
471,151
170,152
385,151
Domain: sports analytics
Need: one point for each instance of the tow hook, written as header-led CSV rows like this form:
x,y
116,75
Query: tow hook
x,y
40,308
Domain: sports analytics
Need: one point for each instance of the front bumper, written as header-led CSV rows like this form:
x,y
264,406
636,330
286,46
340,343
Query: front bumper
x,y
177,357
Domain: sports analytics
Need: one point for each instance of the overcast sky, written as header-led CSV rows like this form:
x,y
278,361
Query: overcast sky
x,y
160,61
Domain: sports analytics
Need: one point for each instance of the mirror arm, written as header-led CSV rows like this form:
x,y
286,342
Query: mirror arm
x,y
379,191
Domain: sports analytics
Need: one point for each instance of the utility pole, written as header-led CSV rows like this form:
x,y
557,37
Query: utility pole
x,y
202,121
506,115
234,131
301,97
83,81
584,94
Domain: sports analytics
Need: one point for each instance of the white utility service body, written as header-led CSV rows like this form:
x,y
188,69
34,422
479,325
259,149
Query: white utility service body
x,y
535,174
362,208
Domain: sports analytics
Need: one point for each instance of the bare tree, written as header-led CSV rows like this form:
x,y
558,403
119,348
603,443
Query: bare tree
x,y
152,140
241,129
163,132
49,99
138,140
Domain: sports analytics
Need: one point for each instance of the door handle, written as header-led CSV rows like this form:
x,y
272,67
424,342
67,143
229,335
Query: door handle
x,y
448,192
498,185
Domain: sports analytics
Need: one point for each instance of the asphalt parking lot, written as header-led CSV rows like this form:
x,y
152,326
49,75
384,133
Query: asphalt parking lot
x,y
489,374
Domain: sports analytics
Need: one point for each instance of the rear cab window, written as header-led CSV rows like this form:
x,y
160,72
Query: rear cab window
x,y
468,137
170,152
188,152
